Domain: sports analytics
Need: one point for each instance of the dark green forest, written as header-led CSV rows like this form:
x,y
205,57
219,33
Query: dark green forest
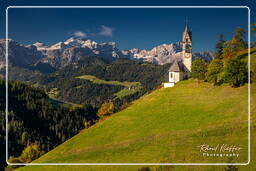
x,y
34,119
73,90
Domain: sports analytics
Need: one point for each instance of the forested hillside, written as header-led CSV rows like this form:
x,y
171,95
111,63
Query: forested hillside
x,y
69,88
34,119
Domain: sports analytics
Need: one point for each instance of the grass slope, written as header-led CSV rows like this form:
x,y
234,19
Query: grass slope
x,y
130,87
164,126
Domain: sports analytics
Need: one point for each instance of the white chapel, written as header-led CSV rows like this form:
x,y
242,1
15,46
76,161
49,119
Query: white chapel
x,y
180,69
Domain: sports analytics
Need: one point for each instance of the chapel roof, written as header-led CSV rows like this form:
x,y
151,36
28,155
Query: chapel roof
x,y
178,66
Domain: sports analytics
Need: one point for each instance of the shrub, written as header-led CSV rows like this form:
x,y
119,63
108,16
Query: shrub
x,y
31,153
235,72
214,73
199,68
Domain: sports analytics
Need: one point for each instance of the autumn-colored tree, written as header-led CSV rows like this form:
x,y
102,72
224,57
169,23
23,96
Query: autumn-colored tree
x,y
106,108
236,44
31,153
228,50
238,40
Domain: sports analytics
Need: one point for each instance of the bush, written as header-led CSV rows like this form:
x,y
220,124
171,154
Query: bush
x,y
235,72
199,68
31,153
215,72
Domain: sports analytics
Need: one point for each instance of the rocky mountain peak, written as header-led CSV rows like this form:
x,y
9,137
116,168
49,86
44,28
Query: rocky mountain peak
x,y
75,49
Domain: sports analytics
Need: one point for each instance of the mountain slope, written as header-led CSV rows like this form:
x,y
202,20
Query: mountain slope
x,y
34,118
167,125
19,55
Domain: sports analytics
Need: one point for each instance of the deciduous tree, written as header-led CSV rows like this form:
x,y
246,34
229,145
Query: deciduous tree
x,y
215,72
199,68
106,108
235,72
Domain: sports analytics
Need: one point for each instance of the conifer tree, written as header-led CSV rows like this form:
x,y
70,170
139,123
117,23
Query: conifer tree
x,y
219,47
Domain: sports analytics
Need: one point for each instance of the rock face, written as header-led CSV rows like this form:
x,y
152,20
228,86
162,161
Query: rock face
x,y
161,54
19,55
75,49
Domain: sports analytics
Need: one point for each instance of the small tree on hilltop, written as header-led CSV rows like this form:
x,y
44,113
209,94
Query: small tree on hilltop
x,y
199,68
232,47
215,72
239,39
106,108
235,72
228,50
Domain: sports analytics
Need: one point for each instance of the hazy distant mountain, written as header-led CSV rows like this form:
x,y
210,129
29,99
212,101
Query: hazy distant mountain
x,y
75,49
208,56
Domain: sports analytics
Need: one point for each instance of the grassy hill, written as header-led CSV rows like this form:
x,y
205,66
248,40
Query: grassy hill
x,y
166,125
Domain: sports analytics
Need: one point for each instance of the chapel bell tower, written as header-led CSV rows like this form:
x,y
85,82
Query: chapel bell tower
x,y
187,48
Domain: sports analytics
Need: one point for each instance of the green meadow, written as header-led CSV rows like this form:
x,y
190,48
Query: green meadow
x,y
165,126
130,87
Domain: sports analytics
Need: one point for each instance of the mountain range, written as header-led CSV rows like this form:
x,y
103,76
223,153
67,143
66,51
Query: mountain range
x,y
73,49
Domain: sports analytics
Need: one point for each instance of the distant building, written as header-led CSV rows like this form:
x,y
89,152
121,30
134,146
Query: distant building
x,y
180,69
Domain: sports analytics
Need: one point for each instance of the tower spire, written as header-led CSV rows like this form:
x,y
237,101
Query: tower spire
x,y
186,28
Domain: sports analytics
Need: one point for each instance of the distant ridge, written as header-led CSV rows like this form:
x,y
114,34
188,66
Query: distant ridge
x,y
74,49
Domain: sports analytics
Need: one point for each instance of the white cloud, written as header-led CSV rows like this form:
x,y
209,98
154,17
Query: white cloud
x,y
80,34
106,31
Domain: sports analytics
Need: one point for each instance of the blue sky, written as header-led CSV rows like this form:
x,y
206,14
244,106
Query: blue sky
x,y
129,28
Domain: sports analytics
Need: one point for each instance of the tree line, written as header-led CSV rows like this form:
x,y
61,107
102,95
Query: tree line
x,y
229,64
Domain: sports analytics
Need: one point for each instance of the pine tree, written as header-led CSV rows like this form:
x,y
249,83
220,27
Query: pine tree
x,y
238,40
219,47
